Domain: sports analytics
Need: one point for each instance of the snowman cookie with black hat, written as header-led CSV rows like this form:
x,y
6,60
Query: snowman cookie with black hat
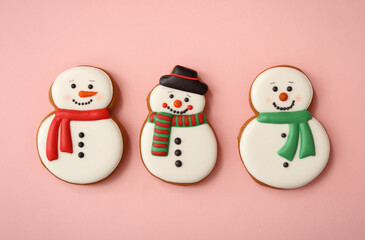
x,y
177,143
283,146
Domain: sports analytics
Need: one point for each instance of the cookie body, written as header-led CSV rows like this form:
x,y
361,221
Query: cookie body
x,y
195,148
95,155
80,142
259,145
177,143
284,146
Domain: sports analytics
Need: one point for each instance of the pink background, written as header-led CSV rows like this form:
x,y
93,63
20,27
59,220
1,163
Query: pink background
x,y
228,43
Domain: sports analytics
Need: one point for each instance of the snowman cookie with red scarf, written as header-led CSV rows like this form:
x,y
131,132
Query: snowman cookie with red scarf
x,y
80,142
177,143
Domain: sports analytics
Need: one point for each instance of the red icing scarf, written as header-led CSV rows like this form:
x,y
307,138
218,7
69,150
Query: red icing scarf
x,y
63,118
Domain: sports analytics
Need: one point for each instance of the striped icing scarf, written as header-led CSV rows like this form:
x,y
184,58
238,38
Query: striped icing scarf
x,y
163,123
298,127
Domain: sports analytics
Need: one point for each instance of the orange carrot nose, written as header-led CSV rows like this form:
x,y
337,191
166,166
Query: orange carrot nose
x,y
87,93
177,103
283,96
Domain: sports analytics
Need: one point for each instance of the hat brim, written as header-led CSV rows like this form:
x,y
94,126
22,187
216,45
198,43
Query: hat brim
x,y
193,86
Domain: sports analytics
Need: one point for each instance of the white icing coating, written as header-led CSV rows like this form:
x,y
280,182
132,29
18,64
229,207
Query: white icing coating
x,y
103,141
260,142
161,95
198,144
199,154
263,96
103,149
63,94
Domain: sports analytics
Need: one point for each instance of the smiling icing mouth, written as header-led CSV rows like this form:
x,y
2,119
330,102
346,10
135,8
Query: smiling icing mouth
x,y
284,108
82,103
175,111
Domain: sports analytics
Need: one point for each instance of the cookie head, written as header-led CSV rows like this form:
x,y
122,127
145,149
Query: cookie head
x,y
82,88
174,101
281,89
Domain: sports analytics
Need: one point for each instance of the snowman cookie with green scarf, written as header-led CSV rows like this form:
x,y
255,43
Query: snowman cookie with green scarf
x,y
283,146
177,143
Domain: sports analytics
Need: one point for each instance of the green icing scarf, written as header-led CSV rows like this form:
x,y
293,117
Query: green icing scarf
x,y
298,125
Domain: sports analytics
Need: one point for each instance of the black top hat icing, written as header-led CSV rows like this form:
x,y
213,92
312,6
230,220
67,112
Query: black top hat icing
x,y
184,79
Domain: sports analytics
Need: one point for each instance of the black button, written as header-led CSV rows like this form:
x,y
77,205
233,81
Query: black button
x,y
81,144
286,164
81,154
178,163
178,152
283,135
177,140
81,134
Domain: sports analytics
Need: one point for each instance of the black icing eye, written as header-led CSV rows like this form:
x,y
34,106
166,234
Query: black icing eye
x,y
289,88
90,86
275,88
186,99
171,95
73,85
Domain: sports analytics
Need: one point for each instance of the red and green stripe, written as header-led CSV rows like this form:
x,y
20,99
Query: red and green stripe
x,y
163,123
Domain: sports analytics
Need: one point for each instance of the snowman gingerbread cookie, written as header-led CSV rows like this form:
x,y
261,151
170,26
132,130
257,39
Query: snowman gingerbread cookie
x,y
177,143
80,142
283,146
